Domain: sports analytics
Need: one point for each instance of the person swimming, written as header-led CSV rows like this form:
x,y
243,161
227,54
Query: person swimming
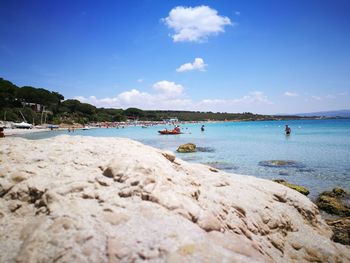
x,y
288,130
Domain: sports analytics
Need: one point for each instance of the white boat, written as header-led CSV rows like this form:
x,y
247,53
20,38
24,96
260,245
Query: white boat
x,y
22,125
86,128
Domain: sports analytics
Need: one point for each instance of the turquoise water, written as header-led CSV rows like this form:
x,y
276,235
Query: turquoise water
x,y
321,147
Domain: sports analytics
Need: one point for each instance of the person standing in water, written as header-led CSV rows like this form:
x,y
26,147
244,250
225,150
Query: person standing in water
x,y
2,134
288,130
202,128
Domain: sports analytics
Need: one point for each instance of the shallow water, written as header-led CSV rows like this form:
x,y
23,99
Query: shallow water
x,y
321,147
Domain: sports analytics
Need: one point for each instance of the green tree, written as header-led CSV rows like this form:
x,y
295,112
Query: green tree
x,y
7,94
134,112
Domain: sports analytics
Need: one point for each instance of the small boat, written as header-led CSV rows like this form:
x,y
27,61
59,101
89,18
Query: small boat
x,y
22,125
169,132
86,128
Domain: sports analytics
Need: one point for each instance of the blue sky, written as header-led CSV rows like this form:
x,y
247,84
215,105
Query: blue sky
x,y
232,56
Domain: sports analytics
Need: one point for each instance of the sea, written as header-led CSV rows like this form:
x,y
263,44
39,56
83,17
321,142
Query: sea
x,y
317,151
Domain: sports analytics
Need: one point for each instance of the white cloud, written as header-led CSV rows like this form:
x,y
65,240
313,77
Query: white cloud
x,y
330,96
195,24
253,102
198,64
140,80
290,94
343,93
133,96
256,97
211,101
316,98
169,89
253,98
170,96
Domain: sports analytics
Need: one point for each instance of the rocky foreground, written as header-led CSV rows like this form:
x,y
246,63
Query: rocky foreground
x,y
83,199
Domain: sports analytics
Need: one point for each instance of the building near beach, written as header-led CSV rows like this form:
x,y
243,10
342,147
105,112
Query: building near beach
x,y
171,120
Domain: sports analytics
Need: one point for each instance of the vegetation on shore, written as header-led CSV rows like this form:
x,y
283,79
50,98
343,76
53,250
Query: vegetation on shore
x,y
39,105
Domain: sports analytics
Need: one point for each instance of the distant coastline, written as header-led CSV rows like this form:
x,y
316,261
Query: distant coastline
x,y
39,106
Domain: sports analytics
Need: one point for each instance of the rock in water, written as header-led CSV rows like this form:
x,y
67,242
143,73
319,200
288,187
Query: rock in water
x,y
205,149
281,163
336,202
222,165
333,202
187,148
295,187
85,199
341,230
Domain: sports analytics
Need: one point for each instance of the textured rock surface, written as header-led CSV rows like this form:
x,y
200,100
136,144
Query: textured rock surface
x,y
81,199
295,187
187,148
341,230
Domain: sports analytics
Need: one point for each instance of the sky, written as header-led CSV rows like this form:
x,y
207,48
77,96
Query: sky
x,y
268,57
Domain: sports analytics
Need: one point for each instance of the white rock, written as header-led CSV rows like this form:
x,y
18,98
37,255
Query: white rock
x,y
83,199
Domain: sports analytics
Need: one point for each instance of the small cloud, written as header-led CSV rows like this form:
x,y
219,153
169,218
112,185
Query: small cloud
x,y
140,80
343,93
198,64
330,96
253,98
316,98
237,13
195,24
170,89
290,94
133,97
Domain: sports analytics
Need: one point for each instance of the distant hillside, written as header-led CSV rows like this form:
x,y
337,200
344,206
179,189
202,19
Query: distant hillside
x,y
39,106
337,113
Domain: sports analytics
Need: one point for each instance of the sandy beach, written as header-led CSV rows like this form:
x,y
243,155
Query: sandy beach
x,y
14,132
85,199
11,132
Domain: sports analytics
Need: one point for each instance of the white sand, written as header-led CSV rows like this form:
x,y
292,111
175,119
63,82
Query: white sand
x,y
84,199
10,132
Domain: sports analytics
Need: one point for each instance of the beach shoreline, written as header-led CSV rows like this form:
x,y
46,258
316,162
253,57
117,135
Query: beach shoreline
x,y
62,127
16,131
